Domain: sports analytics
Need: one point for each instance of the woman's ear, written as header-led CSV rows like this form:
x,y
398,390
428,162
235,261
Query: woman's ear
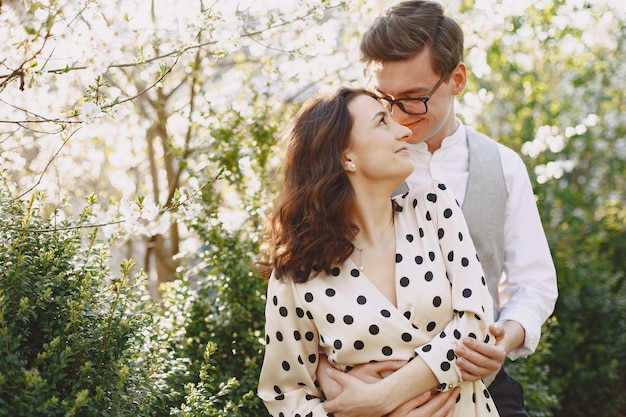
x,y
348,164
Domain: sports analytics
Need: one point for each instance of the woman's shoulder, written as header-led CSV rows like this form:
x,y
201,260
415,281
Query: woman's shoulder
x,y
429,192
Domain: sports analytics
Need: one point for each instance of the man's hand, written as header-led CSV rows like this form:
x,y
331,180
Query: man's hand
x,y
477,359
429,404
368,373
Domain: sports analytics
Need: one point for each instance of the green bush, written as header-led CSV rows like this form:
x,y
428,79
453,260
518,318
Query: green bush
x,y
77,341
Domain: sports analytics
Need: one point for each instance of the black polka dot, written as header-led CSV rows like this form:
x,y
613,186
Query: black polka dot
x,y
428,276
361,300
407,315
451,256
428,217
309,336
330,318
442,186
404,282
431,197
308,297
409,237
426,348
447,213
437,301
431,326
457,334
422,234
441,233
277,389
414,202
275,300
299,312
330,292
464,261
348,319
385,313
460,237
335,271
419,260
374,330
286,366
467,293
407,337
279,336
309,315
297,335
283,311
338,345
431,256
355,273
445,366
450,355
387,351
312,358
359,345
398,258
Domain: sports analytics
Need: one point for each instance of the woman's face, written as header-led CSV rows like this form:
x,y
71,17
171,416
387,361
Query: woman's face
x,y
377,143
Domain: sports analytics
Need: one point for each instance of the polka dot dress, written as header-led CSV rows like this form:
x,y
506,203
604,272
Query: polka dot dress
x,y
442,297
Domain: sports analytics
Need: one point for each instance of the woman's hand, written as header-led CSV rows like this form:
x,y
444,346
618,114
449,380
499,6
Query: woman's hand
x,y
357,398
367,372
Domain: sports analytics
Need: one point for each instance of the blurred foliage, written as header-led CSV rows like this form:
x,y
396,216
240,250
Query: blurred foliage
x,y
556,95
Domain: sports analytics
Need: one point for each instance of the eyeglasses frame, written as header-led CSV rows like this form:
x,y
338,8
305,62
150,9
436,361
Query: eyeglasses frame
x,y
423,99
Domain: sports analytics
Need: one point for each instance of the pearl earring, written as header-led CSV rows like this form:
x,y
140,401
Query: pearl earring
x,y
352,165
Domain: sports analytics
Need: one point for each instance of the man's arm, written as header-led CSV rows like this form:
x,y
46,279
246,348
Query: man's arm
x,y
478,360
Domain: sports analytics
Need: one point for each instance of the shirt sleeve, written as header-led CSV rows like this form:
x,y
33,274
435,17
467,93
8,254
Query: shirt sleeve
x,y
287,384
471,301
528,290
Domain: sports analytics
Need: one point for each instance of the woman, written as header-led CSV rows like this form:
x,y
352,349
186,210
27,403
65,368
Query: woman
x,y
362,278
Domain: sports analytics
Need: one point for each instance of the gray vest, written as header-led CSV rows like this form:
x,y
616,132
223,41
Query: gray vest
x,y
484,208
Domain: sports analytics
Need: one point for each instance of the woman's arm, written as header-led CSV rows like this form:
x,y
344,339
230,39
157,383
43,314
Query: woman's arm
x,y
287,383
360,399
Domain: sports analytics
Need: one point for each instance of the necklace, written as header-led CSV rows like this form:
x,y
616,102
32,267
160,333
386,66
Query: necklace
x,y
361,250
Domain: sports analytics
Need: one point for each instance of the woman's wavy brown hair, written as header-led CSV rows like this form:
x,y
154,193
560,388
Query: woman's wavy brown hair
x,y
310,229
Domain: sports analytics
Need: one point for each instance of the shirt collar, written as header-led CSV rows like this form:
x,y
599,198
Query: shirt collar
x,y
458,135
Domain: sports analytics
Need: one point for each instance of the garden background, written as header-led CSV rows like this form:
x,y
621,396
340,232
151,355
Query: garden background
x,y
139,151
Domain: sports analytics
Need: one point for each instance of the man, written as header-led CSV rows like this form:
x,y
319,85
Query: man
x,y
415,54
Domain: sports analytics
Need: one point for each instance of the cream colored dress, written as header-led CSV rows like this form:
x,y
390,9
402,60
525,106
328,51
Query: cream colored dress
x,y
441,298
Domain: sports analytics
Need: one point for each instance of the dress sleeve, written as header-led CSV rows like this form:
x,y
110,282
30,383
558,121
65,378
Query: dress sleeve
x,y
287,384
471,301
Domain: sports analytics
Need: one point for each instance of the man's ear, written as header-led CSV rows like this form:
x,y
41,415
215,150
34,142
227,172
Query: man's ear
x,y
459,78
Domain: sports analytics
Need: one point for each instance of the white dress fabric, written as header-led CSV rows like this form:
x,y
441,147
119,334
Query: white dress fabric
x,y
441,298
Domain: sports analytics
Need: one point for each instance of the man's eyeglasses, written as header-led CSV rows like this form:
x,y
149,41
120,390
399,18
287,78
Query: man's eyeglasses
x,y
412,105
